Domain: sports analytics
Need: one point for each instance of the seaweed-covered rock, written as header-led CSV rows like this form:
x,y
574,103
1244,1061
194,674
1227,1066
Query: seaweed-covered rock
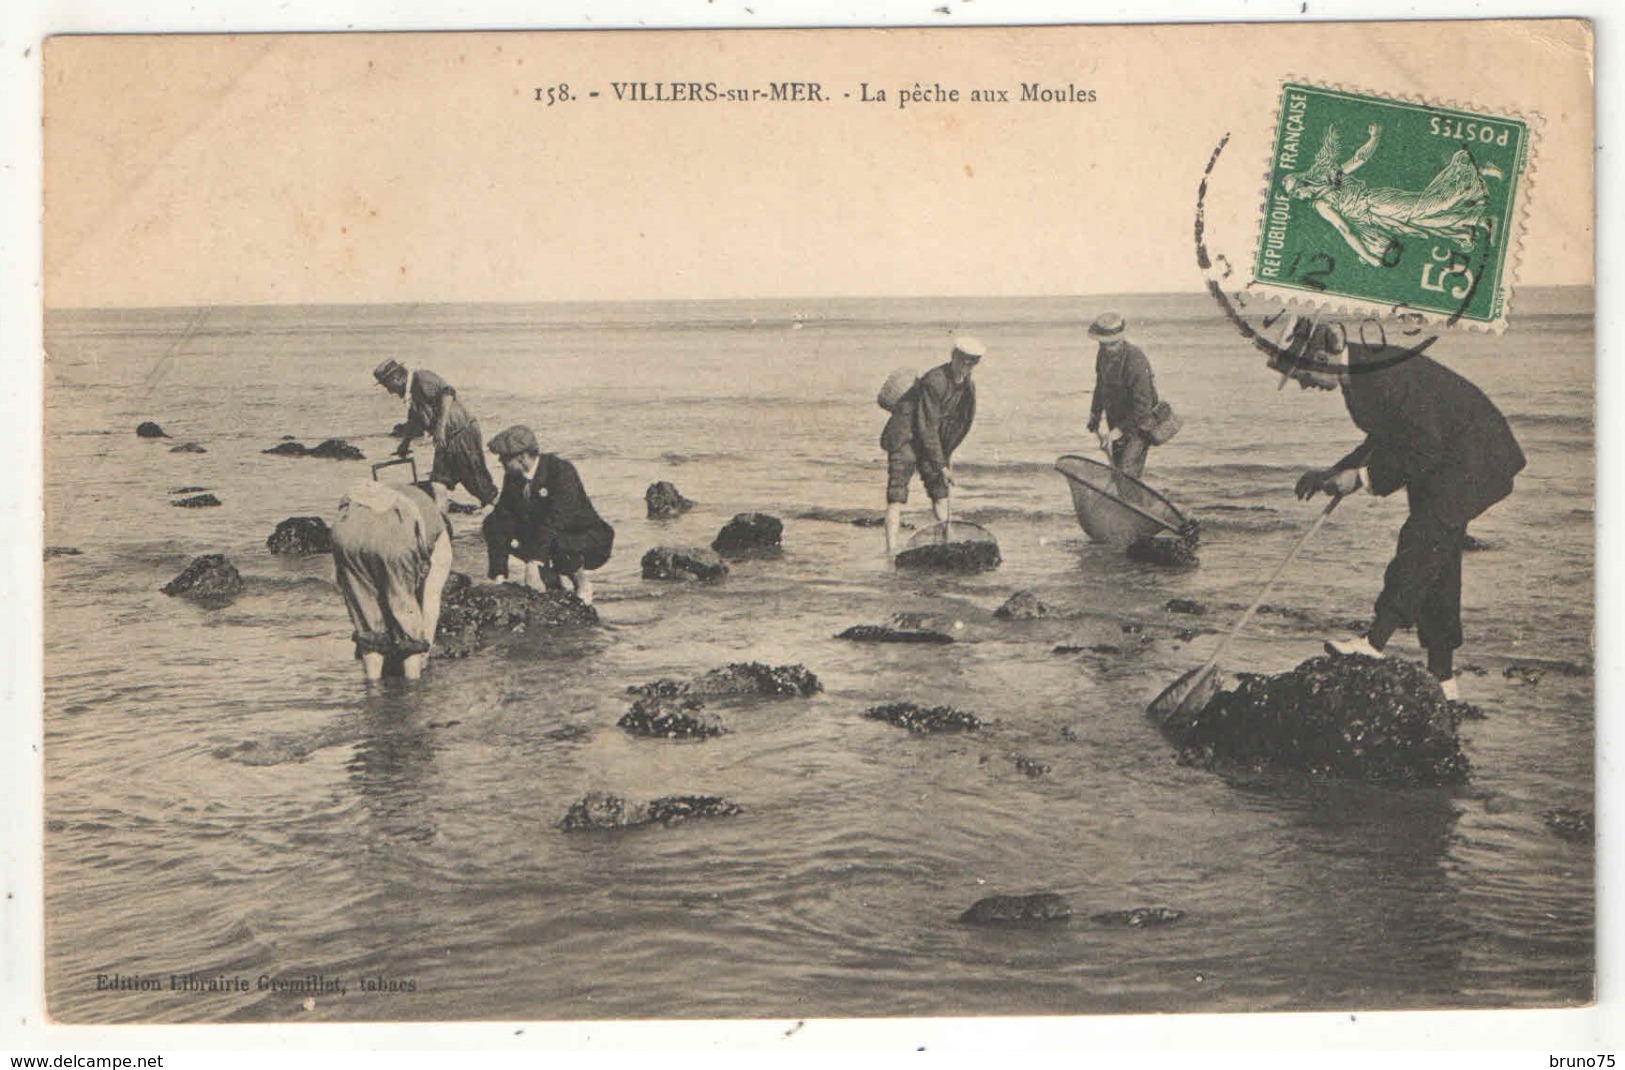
x,y
664,501
336,449
1042,908
1139,917
923,720
882,633
683,563
1578,826
288,449
148,429
1165,550
952,557
1030,766
300,535
209,579
197,501
1023,605
602,811
750,535
669,717
738,679
1380,720
62,551
1185,605
187,447
474,615
187,490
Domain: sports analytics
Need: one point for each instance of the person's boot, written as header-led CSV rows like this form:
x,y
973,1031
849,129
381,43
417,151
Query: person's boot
x,y
1356,646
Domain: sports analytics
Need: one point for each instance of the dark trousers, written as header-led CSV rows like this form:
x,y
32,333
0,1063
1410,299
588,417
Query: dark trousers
x,y
1128,453
556,551
1423,584
463,461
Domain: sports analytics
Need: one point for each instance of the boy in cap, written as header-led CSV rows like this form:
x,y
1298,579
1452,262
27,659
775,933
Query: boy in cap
x,y
1124,394
544,517
433,407
1437,435
391,557
927,424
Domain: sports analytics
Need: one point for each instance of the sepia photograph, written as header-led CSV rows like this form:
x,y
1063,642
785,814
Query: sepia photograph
x,y
842,523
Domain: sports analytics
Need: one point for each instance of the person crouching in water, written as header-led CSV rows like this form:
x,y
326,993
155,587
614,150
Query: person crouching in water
x,y
544,517
927,424
391,556
1433,433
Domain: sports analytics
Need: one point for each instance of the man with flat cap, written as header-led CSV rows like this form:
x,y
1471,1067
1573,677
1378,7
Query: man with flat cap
x,y
433,408
1124,394
544,517
927,424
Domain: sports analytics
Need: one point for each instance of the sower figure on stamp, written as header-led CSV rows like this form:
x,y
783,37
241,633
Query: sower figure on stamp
x,y
1433,433
927,424
1125,395
391,557
433,408
544,517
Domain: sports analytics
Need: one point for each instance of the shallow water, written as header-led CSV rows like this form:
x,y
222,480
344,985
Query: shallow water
x,y
224,797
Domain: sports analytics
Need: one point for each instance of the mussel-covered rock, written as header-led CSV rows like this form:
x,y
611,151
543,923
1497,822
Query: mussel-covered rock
x,y
210,579
603,811
1023,605
1165,550
62,551
738,679
664,501
336,449
1380,720
750,535
288,449
1042,908
670,717
197,501
473,615
1185,605
1030,766
973,556
1139,917
148,429
884,633
300,535
1578,826
683,563
187,447
924,720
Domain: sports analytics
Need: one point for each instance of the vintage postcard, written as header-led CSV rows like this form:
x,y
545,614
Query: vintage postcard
x,y
811,524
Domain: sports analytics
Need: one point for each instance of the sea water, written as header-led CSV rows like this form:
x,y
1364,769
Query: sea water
x,y
225,799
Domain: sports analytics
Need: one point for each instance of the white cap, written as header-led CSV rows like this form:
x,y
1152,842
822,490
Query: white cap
x,y
966,346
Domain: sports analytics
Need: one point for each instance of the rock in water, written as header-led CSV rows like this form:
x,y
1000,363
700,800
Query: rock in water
x,y
474,615
664,501
300,535
187,447
750,535
1578,826
288,449
208,579
1139,917
1164,550
336,449
952,557
601,810
1380,720
739,678
669,717
148,429
923,720
463,508
1041,909
674,563
1185,605
881,633
198,501
1023,605
62,551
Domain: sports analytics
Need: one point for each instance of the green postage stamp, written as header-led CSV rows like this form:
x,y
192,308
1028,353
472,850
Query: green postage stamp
x,y
1393,206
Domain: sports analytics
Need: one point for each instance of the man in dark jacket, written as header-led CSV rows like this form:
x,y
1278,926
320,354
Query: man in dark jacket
x,y
1124,394
1435,434
432,408
544,517
927,424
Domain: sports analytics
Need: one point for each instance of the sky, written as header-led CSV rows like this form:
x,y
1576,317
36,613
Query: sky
x,y
254,169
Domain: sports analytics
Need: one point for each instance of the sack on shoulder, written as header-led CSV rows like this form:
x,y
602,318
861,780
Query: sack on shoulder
x,y
896,386
1165,424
